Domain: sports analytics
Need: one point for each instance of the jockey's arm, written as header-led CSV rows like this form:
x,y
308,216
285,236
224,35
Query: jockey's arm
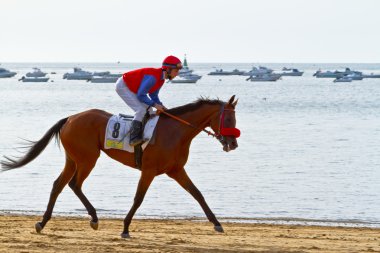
x,y
155,98
146,84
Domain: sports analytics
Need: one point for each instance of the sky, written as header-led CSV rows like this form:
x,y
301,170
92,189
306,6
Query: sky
x,y
206,30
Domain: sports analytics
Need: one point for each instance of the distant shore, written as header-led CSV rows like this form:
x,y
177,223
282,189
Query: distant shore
x,y
72,234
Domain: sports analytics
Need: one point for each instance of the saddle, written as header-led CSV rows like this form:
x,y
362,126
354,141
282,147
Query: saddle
x,y
117,134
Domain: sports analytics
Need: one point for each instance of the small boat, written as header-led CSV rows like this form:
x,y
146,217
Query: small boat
x,y
258,71
34,79
336,73
4,73
264,78
343,79
191,76
183,80
221,72
355,76
292,72
78,74
327,74
102,73
104,79
36,73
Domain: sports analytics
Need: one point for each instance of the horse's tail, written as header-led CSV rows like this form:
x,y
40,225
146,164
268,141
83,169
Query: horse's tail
x,y
35,148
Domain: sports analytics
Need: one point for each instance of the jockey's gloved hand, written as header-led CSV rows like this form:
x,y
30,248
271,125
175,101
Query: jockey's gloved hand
x,y
159,107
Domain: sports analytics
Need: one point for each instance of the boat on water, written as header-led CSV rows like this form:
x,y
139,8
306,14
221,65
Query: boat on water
x,y
78,74
101,73
292,72
189,78
4,73
104,79
183,80
36,73
354,76
221,72
34,79
343,79
336,73
264,78
261,70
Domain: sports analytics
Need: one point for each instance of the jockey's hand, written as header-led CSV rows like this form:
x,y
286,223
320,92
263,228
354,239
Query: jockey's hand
x,y
159,107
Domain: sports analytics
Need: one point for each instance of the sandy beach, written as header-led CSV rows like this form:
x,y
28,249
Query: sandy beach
x,y
68,234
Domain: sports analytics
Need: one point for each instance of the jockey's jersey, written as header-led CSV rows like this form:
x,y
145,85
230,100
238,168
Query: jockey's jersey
x,y
134,78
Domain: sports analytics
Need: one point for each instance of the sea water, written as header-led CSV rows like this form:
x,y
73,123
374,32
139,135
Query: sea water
x,y
308,152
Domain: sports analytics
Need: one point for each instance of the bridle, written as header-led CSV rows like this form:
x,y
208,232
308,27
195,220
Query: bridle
x,y
222,131
226,131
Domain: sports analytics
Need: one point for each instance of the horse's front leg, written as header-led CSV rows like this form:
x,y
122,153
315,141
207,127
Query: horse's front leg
x,y
144,183
183,179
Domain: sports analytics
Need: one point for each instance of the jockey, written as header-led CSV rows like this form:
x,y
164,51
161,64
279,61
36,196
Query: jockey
x,y
139,89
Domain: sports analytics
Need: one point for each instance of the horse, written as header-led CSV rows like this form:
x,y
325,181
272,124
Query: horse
x,y
82,136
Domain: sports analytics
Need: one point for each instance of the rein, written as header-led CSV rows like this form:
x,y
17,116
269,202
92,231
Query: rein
x,y
189,124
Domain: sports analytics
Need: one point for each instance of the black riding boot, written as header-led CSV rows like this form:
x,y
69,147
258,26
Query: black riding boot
x,y
135,133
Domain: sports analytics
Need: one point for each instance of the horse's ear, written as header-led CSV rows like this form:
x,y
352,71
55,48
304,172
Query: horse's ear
x,y
231,99
234,103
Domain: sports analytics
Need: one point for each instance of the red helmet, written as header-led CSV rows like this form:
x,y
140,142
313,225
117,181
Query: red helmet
x,y
171,62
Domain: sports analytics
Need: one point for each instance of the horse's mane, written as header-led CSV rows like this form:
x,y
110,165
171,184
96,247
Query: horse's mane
x,y
192,106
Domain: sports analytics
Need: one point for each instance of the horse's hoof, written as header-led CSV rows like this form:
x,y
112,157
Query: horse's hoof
x,y
125,235
94,225
38,227
219,229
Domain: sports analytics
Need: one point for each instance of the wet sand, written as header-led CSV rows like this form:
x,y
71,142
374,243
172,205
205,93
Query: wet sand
x,y
68,234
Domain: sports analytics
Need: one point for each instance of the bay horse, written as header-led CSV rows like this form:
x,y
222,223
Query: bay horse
x,y
82,136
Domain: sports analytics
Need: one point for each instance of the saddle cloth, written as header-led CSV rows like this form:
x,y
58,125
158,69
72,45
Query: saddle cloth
x,y
117,132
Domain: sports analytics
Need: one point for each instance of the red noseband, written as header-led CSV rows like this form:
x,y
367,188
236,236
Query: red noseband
x,y
230,132
227,131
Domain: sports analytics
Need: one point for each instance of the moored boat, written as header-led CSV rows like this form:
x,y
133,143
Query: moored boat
x,y
34,79
4,73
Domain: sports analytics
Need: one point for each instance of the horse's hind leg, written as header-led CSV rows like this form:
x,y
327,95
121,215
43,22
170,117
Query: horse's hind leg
x,y
83,170
58,186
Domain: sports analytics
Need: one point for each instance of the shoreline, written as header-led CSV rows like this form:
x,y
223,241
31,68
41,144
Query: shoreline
x,y
291,221
63,234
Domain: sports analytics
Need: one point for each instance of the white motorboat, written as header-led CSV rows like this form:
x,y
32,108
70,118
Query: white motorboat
x,y
221,72
78,74
4,73
343,79
191,76
36,73
34,79
183,80
355,76
327,74
104,79
102,73
292,72
336,73
264,78
258,71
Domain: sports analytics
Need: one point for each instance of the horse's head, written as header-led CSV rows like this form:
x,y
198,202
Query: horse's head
x,y
224,125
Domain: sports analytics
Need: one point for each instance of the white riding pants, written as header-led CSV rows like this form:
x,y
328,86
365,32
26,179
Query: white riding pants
x,y
131,100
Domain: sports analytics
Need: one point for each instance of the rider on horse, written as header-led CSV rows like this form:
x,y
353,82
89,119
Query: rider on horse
x,y
139,89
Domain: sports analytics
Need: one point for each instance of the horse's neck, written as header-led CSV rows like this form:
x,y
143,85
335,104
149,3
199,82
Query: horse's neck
x,y
199,118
